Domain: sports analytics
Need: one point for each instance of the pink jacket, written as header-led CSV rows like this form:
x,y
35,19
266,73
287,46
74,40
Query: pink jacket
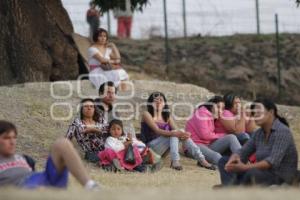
x,y
201,126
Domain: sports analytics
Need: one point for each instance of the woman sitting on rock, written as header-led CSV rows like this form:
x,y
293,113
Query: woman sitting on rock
x,y
201,126
105,61
160,133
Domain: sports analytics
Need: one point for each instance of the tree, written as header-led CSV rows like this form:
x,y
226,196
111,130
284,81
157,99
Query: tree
x,y
106,5
298,2
36,42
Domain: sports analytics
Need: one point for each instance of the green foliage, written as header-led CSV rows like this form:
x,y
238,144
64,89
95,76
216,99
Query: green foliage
x,y
106,5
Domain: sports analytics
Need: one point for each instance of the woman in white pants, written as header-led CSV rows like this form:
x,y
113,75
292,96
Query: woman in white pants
x,y
105,61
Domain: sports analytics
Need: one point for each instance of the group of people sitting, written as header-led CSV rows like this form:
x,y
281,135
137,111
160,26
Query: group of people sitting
x,y
248,145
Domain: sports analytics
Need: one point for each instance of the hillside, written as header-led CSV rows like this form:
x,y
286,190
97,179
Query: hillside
x,y
28,105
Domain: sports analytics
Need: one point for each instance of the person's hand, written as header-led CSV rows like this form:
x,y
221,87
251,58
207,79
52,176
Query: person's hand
x,y
220,113
111,44
129,135
236,167
182,135
234,158
127,143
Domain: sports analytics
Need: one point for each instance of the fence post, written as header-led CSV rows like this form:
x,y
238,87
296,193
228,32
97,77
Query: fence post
x,y
166,34
108,23
278,56
257,17
184,18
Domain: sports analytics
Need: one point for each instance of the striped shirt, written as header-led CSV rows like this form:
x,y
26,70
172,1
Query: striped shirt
x,y
279,150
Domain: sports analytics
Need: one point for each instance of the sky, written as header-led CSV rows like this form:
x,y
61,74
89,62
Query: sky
x,y
204,17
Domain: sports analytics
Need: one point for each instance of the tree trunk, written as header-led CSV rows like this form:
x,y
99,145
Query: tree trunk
x,y
36,42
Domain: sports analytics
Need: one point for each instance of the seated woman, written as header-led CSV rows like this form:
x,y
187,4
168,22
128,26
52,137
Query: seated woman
x,y
105,61
201,126
233,119
89,131
276,153
15,171
160,133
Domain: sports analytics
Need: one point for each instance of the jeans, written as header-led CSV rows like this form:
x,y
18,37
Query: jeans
x,y
213,152
250,177
242,137
162,144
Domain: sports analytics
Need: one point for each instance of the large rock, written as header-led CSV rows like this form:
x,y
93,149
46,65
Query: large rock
x,y
36,42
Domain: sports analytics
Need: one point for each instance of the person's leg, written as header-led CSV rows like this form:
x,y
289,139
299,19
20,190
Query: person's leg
x,y
228,142
227,178
210,155
160,145
64,156
197,154
242,137
260,177
121,27
193,149
128,27
174,148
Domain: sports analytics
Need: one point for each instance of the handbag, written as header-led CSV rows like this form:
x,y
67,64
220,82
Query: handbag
x,y
106,67
129,156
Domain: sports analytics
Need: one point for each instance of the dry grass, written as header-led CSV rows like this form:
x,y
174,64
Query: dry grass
x,y
29,107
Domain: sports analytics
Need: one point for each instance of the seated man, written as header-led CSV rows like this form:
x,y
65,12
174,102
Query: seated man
x,y
14,169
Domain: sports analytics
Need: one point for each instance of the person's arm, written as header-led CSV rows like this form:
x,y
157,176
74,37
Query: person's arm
x,y
72,128
147,118
113,144
115,54
238,166
101,59
70,133
283,140
203,127
92,130
94,53
233,125
248,149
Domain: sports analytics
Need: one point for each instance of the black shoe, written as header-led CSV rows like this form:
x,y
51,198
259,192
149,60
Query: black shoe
x,y
156,167
178,167
212,167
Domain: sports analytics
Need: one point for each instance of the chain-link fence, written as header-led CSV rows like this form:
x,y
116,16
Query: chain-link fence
x,y
204,17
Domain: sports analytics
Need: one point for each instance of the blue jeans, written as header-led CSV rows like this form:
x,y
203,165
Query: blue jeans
x,y
242,138
213,152
162,144
250,177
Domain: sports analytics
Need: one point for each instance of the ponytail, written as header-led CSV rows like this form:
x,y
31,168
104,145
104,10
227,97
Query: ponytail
x,y
282,120
270,105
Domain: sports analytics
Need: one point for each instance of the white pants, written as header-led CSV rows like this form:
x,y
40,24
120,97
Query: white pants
x,y
98,76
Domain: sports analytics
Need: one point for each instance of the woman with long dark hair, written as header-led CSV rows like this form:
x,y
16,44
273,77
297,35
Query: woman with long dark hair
x,y
88,130
160,133
201,126
233,119
276,153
